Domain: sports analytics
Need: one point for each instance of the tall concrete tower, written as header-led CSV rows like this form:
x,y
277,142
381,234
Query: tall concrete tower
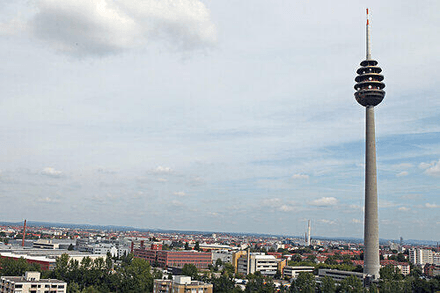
x,y
369,93
309,233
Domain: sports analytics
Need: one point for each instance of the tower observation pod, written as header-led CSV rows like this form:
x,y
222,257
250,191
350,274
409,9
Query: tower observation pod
x,y
369,93
369,85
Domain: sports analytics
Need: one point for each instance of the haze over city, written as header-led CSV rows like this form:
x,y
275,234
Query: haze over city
x,y
230,116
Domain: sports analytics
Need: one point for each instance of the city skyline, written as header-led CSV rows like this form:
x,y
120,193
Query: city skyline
x,y
216,116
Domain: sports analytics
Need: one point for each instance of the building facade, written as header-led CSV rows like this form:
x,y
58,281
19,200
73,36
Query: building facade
x,y
170,258
267,265
293,272
31,283
419,256
181,284
338,275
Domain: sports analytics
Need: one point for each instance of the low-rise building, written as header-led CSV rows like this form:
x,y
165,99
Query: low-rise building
x,y
46,244
171,258
224,255
293,272
31,283
181,284
338,275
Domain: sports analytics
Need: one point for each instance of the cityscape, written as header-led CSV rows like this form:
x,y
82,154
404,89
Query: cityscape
x,y
194,146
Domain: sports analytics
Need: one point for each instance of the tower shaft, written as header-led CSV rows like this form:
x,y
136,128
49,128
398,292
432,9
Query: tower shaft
x,y
371,223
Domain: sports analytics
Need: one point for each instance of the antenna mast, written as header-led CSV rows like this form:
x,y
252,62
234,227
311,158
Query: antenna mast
x,y
368,37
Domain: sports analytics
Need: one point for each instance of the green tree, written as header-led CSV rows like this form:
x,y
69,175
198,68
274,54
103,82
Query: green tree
x,y
197,246
223,284
190,270
73,288
70,247
327,285
187,246
401,257
16,267
305,282
228,269
136,277
390,272
62,267
351,284
259,284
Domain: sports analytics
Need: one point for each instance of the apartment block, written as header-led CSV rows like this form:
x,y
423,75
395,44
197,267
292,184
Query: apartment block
x,y
31,283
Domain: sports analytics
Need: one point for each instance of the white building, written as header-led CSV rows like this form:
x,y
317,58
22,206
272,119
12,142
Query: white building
x,y
436,258
224,255
46,244
338,275
255,262
31,282
292,272
420,256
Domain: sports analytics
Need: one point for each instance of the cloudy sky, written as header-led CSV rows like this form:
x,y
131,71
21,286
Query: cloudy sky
x,y
217,115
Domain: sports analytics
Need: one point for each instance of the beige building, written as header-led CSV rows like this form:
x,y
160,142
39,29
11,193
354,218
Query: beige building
x,y
267,265
420,256
181,284
31,283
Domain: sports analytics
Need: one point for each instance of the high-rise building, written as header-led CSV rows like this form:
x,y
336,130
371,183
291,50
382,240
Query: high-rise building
x,y
419,256
369,93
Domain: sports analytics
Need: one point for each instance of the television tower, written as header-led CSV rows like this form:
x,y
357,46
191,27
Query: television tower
x,y
369,93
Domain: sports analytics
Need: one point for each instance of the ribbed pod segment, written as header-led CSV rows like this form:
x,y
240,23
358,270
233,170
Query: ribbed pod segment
x,y
369,86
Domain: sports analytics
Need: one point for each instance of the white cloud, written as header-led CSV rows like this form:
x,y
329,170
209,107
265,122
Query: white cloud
x,y
286,208
179,193
432,205
356,221
162,180
177,203
404,209
402,174
425,165
101,27
163,170
328,222
324,201
48,200
411,196
300,176
272,202
354,207
433,169
403,166
280,205
51,172
386,204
